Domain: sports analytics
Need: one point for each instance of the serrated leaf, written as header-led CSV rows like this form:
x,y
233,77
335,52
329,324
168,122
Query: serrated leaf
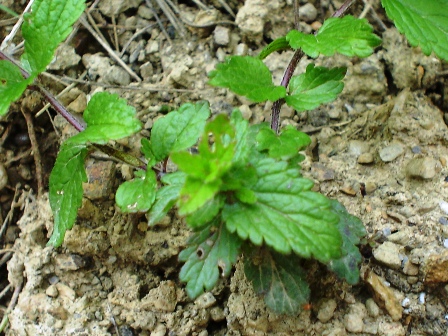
x,y
108,117
12,85
205,213
286,145
423,22
209,255
280,280
247,76
48,24
178,130
66,191
348,36
241,133
166,196
278,44
286,216
352,230
206,169
137,195
318,85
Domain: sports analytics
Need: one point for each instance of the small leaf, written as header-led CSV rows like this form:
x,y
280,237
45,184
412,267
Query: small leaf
x,y
12,85
278,44
348,36
108,117
166,196
423,22
178,130
206,213
241,132
316,86
279,279
66,191
286,145
137,195
48,24
287,215
146,150
352,230
247,76
205,170
209,255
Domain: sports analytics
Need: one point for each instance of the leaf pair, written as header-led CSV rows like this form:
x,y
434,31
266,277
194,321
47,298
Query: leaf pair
x,y
108,118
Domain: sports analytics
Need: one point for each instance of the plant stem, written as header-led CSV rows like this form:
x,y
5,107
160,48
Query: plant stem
x,y
275,115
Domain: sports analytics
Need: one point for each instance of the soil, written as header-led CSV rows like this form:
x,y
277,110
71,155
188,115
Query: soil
x,y
380,149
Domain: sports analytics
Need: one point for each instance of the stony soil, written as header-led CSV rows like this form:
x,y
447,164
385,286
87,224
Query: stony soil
x,y
380,149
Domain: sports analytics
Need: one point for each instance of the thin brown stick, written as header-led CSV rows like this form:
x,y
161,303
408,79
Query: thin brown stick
x,y
36,151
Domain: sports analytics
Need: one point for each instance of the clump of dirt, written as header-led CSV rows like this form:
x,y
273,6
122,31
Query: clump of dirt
x,y
380,149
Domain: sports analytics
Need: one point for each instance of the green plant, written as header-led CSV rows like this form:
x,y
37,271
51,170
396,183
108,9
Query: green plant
x,y
243,191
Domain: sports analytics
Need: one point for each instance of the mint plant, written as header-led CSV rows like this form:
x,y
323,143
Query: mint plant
x,y
241,190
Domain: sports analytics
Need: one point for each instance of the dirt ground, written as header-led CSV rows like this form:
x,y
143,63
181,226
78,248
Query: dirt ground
x,y
380,149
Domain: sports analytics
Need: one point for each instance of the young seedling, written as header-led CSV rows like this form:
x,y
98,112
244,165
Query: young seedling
x,y
241,191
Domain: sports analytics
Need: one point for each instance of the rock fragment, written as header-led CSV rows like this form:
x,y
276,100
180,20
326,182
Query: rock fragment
x,y
423,168
326,310
388,254
391,152
308,12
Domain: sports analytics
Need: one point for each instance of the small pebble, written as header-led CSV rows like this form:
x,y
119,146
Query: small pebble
x,y
326,310
205,300
365,158
221,35
52,291
372,308
388,254
423,168
308,12
358,147
391,152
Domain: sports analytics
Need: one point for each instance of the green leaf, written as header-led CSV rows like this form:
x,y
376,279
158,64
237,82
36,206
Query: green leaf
x,y
286,216
278,44
348,36
423,22
108,117
210,253
178,130
166,196
352,230
316,86
137,195
147,152
205,171
48,24
242,148
12,85
279,279
206,213
286,145
66,191
247,76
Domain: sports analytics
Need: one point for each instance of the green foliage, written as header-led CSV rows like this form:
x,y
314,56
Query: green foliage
x,y
423,22
278,44
48,24
348,36
68,173
247,76
65,194
178,130
280,280
211,253
139,194
351,230
318,85
12,85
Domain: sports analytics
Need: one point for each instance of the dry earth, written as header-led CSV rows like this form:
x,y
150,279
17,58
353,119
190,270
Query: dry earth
x,y
380,149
